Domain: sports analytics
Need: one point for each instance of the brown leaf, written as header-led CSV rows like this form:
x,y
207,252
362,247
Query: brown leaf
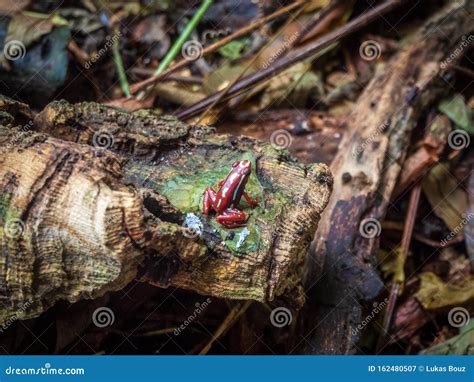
x,y
427,154
448,200
9,6
409,318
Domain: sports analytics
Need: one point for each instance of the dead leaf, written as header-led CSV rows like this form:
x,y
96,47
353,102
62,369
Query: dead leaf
x,y
9,6
434,293
408,319
392,265
448,200
292,87
427,154
222,77
177,94
151,32
315,4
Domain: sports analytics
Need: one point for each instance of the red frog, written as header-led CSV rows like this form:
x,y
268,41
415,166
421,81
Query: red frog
x,y
226,199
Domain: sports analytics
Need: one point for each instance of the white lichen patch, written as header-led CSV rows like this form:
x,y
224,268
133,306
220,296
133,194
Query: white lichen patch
x,y
242,237
193,224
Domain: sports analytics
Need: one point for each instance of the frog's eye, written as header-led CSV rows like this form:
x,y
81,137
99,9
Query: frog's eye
x,y
235,164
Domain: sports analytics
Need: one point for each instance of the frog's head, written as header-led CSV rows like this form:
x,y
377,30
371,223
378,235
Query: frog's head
x,y
243,167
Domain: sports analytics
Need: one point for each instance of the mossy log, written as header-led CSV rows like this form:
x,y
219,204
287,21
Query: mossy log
x,y
370,157
93,197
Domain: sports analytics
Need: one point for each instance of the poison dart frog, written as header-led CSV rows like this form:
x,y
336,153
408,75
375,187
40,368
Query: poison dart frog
x,y
230,190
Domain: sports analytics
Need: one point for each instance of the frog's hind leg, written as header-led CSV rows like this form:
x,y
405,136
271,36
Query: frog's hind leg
x,y
208,201
232,218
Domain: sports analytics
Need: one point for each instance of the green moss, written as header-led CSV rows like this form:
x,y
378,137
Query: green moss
x,y
183,181
4,203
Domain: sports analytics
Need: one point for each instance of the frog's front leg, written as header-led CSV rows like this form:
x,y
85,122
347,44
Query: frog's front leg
x,y
232,218
251,202
208,201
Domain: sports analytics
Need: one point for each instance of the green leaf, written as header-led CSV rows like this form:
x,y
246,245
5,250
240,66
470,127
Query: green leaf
x,y
461,344
233,49
456,110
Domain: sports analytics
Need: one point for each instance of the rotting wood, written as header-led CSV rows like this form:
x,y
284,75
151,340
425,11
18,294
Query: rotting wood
x,y
98,193
343,279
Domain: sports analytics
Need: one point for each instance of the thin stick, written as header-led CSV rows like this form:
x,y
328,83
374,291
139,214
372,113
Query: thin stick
x,y
184,36
172,77
316,19
119,65
404,247
231,318
297,56
116,53
249,65
178,44
135,88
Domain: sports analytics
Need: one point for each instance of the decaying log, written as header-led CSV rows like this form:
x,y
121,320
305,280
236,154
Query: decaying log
x,y
94,196
365,171
69,226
